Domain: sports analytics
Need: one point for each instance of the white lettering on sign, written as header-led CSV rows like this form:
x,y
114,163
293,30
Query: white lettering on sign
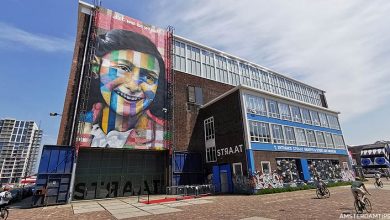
x,y
304,149
229,150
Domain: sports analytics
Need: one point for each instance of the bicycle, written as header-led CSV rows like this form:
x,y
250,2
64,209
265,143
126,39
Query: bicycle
x,y
322,192
4,212
362,204
378,184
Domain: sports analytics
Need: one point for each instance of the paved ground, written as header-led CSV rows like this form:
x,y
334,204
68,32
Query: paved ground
x,y
292,205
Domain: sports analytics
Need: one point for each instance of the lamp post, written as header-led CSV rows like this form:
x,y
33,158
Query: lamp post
x,y
54,114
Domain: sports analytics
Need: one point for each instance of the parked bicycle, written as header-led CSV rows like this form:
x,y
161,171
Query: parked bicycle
x,y
362,204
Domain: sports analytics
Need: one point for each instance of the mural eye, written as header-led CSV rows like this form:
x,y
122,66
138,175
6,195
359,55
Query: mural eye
x,y
124,67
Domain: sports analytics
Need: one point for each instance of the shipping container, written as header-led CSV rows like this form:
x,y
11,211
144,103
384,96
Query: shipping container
x,y
54,174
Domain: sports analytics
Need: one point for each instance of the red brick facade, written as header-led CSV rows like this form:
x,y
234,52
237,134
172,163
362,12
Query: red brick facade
x,y
185,119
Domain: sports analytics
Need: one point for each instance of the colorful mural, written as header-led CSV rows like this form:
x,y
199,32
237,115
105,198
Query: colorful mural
x,y
127,97
267,181
325,169
287,169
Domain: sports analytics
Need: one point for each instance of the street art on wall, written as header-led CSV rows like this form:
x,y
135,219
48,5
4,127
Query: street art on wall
x,y
268,181
325,169
287,169
127,96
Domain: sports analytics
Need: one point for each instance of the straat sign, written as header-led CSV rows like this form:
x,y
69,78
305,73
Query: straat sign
x,y
229,150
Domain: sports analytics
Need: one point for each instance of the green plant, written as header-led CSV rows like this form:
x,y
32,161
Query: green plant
x,y
304,187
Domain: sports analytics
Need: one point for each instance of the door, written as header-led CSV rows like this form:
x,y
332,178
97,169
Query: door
x,y
224,181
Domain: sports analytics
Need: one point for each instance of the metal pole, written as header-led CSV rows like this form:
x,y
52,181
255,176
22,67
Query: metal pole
x,y
75,113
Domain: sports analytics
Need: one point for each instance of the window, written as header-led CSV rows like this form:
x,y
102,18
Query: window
x,y
328,140
266,167
209,134
208,65
320,139
323,120
277,133
314,117
256,78
255,105
306,116
273,109
195,95
296,114
209,129
179,57
259,132
333,122
221,68
290,135
237,169
301,137
284,111
311,139
193,60
264,80
234,71
245,74
338,141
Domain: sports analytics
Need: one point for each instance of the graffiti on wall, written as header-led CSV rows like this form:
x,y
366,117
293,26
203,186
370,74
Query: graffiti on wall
x,y
127,95
287,169
325,169
268,181
347,175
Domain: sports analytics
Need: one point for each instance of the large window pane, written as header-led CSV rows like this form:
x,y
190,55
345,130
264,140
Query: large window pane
x,y
260,132
296,114
284,111
290,135
311,139
277,133
306,116
323,120
301,137
273,110
320,139
315,118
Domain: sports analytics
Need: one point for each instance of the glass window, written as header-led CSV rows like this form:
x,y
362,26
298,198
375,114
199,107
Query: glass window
x,y
323,120
301,137
290,135
193,60
284,111
208,65
296,114
255,105
234,71
179,56
259,132
266,167
333,122
265,81
320,139
211,154
245,74
306,116
273,110
221,68
237,169
315,118
311,138
328,140
209,129
338,141
277,133
256,78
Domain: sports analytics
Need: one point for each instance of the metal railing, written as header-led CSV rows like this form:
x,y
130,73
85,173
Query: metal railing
x,y
190,190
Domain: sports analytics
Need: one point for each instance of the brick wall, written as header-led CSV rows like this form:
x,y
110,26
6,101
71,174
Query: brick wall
x,y
185,119
70,97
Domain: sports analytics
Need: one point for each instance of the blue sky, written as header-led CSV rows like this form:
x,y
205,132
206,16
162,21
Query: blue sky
x,y
342,47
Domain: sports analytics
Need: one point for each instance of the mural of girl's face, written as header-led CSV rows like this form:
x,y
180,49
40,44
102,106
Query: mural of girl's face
x,y
128,81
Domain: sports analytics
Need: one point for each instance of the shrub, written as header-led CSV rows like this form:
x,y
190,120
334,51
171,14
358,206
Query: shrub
x,y
303,187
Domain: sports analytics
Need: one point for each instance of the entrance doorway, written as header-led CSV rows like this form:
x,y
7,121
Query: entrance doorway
x,y
107,173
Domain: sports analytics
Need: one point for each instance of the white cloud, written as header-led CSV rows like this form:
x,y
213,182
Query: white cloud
x,y
12,37
342,47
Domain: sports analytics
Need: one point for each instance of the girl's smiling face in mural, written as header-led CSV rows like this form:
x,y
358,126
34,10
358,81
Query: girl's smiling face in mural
x,y
128,81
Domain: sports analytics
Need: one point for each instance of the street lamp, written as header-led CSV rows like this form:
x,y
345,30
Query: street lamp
x,y
55,114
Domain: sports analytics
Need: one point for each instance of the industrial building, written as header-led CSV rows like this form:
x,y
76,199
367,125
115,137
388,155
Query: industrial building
x,y
147,109
20,144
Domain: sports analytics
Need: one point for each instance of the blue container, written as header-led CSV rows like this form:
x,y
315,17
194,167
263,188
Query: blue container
x,y
54,173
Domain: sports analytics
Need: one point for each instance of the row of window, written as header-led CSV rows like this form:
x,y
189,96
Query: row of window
x,y
274,109
278,134
199,62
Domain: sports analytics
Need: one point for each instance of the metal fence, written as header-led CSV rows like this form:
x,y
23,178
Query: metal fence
x,y
190,190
